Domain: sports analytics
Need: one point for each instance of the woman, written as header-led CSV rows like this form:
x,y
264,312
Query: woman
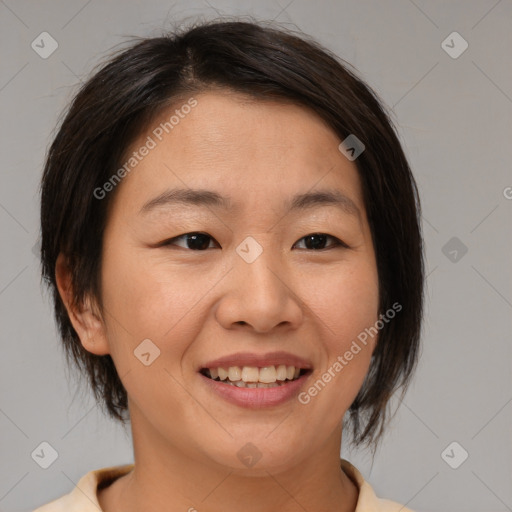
x,y
230,230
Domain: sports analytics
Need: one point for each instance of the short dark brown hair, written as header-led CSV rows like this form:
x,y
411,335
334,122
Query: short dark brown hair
x,y
263,61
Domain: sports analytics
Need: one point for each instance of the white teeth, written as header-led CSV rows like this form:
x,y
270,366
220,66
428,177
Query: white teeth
x,y
234,373
281,372
250,374
246,376
242,384
268,374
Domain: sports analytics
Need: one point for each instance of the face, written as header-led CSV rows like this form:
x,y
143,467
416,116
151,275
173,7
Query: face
x,y
249,281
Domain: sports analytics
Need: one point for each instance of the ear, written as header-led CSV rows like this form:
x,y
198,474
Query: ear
x,y
85,317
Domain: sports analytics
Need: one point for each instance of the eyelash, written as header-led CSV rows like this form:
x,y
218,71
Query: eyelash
x,y
337,241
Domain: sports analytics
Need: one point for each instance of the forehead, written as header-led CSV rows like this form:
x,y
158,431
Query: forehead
x,y
244,149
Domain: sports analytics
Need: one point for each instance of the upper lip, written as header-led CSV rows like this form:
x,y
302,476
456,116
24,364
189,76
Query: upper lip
x,y
250,359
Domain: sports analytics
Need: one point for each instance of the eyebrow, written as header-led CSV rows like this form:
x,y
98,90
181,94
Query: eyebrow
x,y
209,198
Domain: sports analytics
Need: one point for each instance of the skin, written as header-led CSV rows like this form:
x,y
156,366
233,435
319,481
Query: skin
x,y
200,305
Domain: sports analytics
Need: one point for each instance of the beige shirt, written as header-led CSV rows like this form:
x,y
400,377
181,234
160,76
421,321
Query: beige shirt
x,y
84,498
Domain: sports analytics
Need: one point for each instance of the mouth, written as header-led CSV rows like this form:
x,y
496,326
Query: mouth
x,y
256,381
254,376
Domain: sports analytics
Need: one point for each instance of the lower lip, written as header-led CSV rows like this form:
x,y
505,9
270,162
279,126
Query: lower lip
x,y
256,398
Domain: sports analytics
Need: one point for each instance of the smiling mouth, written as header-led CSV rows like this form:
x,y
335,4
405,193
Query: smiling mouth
x,y
255,377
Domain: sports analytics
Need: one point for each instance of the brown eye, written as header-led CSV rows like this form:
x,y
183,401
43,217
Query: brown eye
x,y
317,241
194,241
197,241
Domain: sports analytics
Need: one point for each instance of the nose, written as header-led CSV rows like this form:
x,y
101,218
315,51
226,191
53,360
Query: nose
x,y
261,296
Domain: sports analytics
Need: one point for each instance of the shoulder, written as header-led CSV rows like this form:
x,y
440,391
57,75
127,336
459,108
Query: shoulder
x,y
391,506
83,497
367,500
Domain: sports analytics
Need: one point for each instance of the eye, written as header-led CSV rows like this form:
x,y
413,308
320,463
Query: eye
x,y
316,241
195,241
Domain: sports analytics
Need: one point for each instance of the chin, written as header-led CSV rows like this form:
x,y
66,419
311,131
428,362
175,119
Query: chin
x,y
257,455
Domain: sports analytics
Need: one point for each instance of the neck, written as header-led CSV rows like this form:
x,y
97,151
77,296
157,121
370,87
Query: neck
x,y
166,478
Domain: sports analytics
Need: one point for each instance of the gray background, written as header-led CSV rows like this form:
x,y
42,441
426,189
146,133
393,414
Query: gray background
x,y
454,117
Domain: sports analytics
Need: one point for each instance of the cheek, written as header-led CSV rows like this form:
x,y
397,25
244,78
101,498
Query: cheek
x,y
348,302
147,298
348,307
